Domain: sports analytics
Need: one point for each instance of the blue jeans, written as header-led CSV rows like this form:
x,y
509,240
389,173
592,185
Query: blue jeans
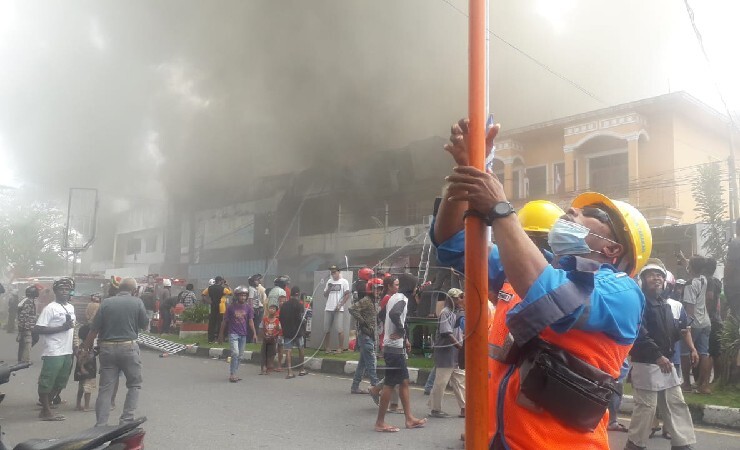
x,y
237,348
366,364
615,402
430,380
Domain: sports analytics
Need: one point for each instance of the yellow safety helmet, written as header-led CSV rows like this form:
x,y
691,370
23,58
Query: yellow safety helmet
x,y
539,216
629,224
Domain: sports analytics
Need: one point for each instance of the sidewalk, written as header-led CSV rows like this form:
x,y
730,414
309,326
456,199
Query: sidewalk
x,y
720,416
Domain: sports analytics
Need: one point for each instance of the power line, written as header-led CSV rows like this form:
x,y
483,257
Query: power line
x,y
733,181
534,60
700,40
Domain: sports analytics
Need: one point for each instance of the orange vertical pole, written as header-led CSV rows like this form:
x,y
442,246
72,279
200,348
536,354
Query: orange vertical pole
x,y
476,247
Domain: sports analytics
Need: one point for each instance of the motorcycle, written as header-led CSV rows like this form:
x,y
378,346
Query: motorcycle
x,y
121,437
6,371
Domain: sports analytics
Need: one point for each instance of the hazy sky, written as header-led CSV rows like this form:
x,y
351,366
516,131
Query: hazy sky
x,y
140,98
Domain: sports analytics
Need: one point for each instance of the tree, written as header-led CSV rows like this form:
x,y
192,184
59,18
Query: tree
x,y
707,191
31,236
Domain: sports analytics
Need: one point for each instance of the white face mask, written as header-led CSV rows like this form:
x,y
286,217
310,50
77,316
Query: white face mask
x,y
568,238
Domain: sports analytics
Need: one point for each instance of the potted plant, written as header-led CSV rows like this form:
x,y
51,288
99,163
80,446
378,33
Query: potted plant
x,y
194,320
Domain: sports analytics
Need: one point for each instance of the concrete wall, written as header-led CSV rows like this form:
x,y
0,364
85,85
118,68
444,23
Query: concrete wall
x,y
694,145
656,164
357,240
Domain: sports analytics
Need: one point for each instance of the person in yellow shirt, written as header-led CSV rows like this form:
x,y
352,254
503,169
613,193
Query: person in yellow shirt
x,y
216,295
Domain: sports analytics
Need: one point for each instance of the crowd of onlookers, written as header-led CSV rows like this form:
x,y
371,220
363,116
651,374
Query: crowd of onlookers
x,y
102,346
279,319
679,340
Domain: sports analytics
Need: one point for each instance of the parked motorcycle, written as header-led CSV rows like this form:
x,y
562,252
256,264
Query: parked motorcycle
x,y
6,371
122,437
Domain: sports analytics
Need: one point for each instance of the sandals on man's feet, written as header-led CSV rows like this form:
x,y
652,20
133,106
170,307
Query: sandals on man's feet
x,y
57,418
616,426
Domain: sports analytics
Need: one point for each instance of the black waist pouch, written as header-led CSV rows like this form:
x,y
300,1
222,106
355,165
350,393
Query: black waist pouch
x,y
573,391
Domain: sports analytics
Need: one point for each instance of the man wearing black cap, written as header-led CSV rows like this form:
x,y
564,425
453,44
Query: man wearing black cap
x,y
55,325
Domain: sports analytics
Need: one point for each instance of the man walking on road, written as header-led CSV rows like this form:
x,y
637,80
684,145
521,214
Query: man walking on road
x,y
654,378
397,373
56,326
446,353
365,313
117,326
238,324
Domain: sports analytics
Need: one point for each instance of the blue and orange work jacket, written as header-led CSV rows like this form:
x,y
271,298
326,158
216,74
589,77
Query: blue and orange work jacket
x,y
589,309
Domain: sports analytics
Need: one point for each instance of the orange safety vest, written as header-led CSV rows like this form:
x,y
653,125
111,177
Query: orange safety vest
x,y
520,428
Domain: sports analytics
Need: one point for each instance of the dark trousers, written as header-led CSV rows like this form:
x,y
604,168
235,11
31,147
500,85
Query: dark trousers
x,y
214,324
166,322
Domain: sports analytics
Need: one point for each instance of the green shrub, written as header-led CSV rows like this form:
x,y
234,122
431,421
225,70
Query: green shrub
x,y
196,314
730,341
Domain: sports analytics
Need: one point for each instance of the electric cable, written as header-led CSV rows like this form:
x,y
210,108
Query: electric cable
x,y
534,60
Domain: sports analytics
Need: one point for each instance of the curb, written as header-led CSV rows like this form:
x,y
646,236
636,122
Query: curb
x,y
333,366
718,416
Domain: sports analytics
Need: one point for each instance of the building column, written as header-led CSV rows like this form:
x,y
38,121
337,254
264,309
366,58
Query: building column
x,y
633,173
570,175
509,178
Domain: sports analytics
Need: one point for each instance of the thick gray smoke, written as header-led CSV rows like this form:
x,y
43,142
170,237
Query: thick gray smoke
x,y
188,98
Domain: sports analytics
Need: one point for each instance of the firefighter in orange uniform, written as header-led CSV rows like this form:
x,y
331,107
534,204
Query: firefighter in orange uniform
x,y
562,327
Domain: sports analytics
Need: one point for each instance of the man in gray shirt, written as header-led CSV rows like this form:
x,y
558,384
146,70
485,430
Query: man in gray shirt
x,y
695,303
117,326
446,348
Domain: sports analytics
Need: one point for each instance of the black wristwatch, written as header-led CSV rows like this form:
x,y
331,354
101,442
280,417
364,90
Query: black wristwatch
x,y
500,209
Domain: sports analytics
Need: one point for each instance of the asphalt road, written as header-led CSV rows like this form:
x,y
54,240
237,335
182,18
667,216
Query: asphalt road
x,y
190,405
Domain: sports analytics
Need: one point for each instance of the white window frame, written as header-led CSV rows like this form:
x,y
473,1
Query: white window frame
x,y
520,185
610,152
547,177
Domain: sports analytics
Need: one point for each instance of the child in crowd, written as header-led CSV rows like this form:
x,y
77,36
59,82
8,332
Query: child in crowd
x,y
272,330
86,372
